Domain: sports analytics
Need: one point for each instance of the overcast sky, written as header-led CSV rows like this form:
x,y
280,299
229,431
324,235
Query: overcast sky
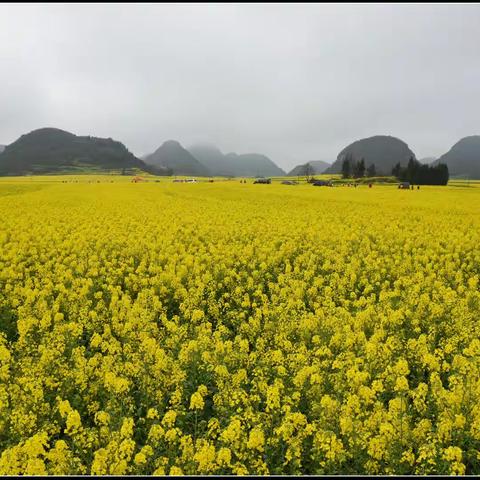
x,y
295,82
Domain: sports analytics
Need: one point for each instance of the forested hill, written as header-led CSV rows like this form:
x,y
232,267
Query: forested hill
x,y
49,150
463,159
383,151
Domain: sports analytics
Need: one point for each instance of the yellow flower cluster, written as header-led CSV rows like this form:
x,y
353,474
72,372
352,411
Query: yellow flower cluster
x,y
231,328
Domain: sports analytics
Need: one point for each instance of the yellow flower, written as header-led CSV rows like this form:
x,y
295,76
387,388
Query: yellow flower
x,y
256,439
169,418
140,458
73,422
152,413
196,401
224,456
102,418
205,457
176,471
126,431
401,384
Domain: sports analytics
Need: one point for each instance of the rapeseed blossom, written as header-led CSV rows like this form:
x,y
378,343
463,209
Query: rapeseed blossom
x,y
173,329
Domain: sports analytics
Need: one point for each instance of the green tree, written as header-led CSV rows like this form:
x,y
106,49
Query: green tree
x,y
411,170
396,170
308,171
347,166
361,168
371,171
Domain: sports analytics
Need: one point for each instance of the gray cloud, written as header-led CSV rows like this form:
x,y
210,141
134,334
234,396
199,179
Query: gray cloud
x,y
296,82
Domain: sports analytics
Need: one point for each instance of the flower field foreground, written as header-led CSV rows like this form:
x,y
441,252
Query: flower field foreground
x,y
231,328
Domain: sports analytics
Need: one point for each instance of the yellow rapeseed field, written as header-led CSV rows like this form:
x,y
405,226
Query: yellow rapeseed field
x,y
227,328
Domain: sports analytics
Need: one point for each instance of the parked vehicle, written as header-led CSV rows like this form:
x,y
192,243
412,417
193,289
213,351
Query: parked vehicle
x,y
322,183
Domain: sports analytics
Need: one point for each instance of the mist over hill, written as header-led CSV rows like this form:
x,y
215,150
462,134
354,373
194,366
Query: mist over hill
x,y
317,167
463,159
233,164
253,165
383,151
427,160
211,156
179,161
51,150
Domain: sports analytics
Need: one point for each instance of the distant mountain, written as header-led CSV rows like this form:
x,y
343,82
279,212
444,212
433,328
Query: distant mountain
x,y
211,156
382,150
173,156
253,165
232,164
463,159
317,167
2,148
51,150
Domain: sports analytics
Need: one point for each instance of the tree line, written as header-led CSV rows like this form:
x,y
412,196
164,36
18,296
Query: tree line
x,y
415,172
422,174
357,169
